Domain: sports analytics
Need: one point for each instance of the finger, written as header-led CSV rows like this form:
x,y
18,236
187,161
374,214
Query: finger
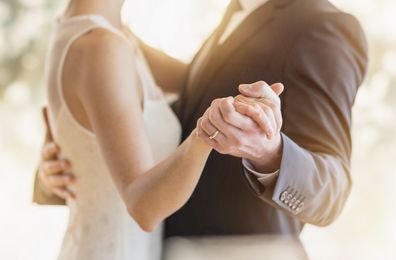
x,y
55,167
272,103
203,135
216,118
232,117
48,135
210,130
277,88
207,126
278,119
268,111
255,90
57,181
50,151
257,114
270,115
211,142
63,193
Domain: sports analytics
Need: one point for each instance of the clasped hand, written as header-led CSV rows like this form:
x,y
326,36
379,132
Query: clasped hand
x,y
247,126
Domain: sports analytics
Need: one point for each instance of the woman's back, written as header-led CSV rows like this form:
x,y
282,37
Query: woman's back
x,y
100,226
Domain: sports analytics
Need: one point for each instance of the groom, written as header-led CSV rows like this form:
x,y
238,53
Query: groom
x,y
320,55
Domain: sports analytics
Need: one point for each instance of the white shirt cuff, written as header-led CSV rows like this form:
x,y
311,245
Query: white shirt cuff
x,y
264,178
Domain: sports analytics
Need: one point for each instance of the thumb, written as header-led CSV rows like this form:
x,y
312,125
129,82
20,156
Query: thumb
x,y
48,135
254,90
277,88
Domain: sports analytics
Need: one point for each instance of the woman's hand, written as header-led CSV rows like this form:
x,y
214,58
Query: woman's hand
x,y
53,171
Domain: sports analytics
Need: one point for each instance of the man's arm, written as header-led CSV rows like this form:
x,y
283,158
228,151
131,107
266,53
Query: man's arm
x,y
169,73
322,76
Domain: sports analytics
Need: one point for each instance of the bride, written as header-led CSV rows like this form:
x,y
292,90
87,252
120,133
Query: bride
x,y
114,124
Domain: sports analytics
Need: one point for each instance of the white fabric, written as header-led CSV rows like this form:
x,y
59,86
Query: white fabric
x,y
100,227
248,6
250,247
264,178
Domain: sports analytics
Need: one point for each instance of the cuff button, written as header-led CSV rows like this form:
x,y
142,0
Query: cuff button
x,y
283,196
300,207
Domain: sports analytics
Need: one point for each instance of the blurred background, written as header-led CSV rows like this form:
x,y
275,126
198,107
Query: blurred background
x,y
365,230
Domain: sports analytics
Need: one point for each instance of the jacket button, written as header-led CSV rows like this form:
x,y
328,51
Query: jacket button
x,y
300,207
283,196
288,198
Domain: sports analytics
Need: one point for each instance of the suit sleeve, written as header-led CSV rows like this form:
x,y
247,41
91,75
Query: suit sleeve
x,y
322,74
41,197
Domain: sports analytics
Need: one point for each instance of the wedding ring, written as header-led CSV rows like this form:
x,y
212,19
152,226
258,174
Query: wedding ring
x,y
214,135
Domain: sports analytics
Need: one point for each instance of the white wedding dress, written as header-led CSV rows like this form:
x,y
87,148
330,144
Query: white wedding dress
x,y
100,227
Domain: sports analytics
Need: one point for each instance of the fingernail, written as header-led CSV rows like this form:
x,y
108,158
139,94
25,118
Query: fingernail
x,y
65,164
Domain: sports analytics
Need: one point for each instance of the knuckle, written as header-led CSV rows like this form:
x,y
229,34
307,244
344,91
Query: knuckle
x,y
238,142
213,116
272,103
255,112
266,109
205,124
224,102
239,98
215,102
199,122
228,116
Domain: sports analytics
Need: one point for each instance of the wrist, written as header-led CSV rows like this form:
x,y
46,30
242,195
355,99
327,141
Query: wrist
x,y
270,159
198,143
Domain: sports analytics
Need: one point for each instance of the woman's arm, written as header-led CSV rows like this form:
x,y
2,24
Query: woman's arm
x,y
109,95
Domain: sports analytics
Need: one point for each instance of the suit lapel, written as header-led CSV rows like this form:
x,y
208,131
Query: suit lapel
x,y
249,27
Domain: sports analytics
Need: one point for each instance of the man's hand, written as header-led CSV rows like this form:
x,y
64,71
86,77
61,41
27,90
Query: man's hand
x,y
52,171
247,126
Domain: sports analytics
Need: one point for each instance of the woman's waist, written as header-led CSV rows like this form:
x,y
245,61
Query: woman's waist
x,y
99,226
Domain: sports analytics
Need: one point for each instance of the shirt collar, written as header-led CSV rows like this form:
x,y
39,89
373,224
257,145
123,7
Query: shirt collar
x,y
250,5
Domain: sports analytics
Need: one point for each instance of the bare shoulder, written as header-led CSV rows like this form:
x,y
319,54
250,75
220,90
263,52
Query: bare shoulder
x,y
102,48
99,59
102,38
